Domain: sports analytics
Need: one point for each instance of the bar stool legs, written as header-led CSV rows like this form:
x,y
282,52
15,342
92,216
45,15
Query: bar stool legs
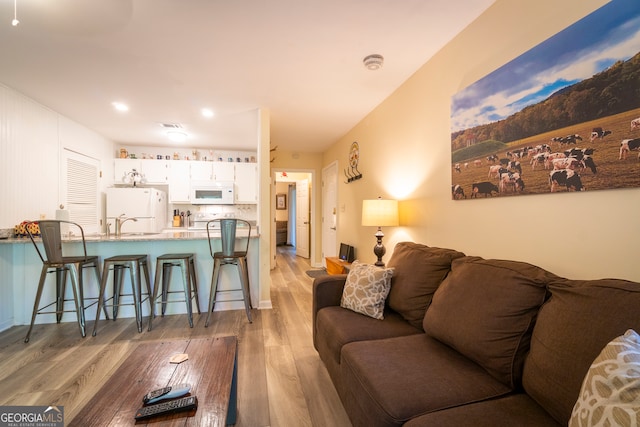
x,y
61,281
164,266
136,264
241,263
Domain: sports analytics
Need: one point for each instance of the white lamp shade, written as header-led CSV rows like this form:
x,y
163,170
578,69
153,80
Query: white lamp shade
x,y
380,213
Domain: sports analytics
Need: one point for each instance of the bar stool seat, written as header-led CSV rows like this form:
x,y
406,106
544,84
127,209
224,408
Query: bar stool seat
x,y
135,264
234,252
53,261
164,267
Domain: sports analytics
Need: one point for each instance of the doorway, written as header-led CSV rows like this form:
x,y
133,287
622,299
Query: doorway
x,y
293,212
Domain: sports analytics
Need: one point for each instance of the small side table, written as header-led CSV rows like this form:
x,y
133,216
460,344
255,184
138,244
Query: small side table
x,y
337,266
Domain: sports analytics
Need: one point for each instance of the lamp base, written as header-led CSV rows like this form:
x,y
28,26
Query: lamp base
x,y
379,249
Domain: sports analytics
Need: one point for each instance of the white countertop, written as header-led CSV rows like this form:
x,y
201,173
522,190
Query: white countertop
x,y
178,234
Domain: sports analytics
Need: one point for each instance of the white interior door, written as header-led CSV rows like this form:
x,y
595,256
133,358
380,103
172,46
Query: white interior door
x,y
329,210
302,218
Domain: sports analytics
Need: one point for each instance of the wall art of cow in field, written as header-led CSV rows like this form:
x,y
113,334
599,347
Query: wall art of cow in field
x,y
559,117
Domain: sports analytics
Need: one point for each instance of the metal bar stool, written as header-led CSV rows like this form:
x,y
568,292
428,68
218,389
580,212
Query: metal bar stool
x,y
232,253
55,261
164,267
135,264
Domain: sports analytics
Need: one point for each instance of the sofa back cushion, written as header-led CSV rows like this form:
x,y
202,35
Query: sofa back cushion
x,y
418,271
486,310
573,326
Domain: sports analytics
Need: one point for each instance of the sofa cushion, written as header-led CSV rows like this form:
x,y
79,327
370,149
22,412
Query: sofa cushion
x,y
366,289
513,410
418,271
486,310
387,382
610,392
575,324
337,326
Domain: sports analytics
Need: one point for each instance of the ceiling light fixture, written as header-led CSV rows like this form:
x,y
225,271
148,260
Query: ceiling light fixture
x,y
15,21
177,136
373,62
207,112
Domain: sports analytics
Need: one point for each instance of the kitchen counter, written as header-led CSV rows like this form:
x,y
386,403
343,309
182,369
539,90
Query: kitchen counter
x,y
178,234
20,271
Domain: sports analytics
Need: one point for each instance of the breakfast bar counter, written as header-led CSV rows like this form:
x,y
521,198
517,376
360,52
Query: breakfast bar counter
x,y
20,271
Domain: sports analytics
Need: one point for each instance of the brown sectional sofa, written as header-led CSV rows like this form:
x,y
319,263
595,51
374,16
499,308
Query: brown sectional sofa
x,y
468,342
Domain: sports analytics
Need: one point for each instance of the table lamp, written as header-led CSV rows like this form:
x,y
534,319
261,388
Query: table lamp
x,y
379,213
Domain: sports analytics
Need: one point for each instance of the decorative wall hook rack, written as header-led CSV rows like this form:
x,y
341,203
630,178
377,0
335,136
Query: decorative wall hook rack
x,y
352,173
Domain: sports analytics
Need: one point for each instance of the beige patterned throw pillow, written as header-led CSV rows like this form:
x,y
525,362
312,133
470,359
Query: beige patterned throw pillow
x,y
366,289
610,393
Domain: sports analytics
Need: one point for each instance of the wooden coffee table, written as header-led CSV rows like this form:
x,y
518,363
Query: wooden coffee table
x,y
211,370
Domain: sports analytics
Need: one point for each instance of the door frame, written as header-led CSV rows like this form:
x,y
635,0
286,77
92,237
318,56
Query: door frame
x,y
313,180
327,221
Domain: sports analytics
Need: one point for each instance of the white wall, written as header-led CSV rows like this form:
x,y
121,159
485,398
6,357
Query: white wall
x,y
32,138
405,154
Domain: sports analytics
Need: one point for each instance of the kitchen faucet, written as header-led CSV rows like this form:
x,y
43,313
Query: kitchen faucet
x,y
120,221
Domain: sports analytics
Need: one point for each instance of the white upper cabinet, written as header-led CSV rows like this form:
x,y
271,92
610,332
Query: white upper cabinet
x,y
124,166
246,183
179,174
201,171
179,182
223,171
155,171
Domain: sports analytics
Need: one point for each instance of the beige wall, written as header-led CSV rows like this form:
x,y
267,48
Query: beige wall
x,y
405,154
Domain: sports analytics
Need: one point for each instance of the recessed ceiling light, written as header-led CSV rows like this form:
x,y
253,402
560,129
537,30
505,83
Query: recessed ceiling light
x,y
207,112
120,106
373,62
177,136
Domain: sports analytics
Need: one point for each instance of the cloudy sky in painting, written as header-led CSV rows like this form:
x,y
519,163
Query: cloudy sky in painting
x,y
594,43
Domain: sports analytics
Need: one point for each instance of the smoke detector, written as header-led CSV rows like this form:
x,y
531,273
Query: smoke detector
x,y
373,62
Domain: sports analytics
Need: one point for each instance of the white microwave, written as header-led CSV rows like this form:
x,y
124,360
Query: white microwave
x,y
212,193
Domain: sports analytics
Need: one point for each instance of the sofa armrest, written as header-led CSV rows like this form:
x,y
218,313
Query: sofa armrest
x,y
327,292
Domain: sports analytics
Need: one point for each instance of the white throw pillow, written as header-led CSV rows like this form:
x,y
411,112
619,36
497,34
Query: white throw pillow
x,y
610,393
366,289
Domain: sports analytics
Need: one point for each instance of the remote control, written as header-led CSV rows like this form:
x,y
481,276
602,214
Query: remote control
x,y
170,392
155,393
182,404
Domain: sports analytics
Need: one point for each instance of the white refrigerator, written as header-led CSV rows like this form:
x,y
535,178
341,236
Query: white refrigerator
x,y
147,205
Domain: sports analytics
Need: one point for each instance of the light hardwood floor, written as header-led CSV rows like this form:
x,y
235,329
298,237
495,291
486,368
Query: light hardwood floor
x,y
281,380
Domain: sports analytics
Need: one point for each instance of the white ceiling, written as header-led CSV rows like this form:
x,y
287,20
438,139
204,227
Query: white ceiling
x,y
167,59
